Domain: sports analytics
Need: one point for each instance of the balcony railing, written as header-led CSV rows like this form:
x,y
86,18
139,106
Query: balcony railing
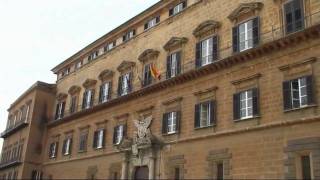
x,y
14,128
10,162
275,33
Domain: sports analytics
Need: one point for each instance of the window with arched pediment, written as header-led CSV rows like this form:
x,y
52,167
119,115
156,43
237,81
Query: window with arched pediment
x,y
88,97
106,85
74,92
149,72
60,106
125,81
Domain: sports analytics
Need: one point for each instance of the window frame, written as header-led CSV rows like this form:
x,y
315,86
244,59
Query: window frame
x,y
246,100
119,133
152,22
302,4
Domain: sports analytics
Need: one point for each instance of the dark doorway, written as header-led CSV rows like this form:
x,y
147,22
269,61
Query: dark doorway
x,y
141,173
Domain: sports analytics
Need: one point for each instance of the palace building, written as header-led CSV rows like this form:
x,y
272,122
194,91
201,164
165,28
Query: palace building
x,y
187,89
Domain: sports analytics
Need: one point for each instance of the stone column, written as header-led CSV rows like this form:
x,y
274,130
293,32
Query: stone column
x,y
124,169
151,167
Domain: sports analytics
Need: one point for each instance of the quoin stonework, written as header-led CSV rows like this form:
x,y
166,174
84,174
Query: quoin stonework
x,y
186,89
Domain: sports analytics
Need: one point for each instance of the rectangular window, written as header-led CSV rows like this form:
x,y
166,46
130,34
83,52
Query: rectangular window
x,y
66,150
246,35
171,122
88,98
245,104
124,84
53,150
178,8
147,77
173,65
60,110
118,134
293,16
204,114
78,65
105,92
220,172
93,55
83,141
206,51
110,46
98,141
129,35
306,167
298,93
151,23
73,104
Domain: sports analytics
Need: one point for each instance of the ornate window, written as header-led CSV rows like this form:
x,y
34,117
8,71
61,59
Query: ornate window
x,y
88,95
99,139
67,145
53,150
293,16
60,107
125,78
118,134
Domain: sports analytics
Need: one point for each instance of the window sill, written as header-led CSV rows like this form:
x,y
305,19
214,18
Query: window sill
x,y
247,119
171,134
206,127
98,148
301,108
82,151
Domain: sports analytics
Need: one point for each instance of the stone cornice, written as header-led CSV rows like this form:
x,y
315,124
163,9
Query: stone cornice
x,y
205,27
74,90
61,96
237,58
245,8
105,74
148,54
89,82
174,42
125,65
307,61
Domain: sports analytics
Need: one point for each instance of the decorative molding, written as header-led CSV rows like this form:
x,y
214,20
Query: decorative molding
x,y
89,82
105,74
62,96
145,109
297,64
245,8
174,42
148,54
84,127
121,116
74,89
125,65
255,76
170,101
205,27
102,122
212,89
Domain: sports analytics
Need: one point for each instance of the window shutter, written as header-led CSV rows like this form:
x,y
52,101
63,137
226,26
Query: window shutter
x,y
70,146
92,97
287,95
165,123
236,106
184,4
310,90
146,26
56,151
124,38
84,99
103,138
95,136
168,66
256,32
57,111
197,116
109,91
115,134
50,150
130,81
215,48
157,19
134,32
62,109
298,14
101,93
255,102
64,146
178,63
212,112
146,75
178,121
120,85
198,55
171,12
235,39
124,130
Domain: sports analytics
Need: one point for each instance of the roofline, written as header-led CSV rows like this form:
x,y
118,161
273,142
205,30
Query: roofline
x,y
37,85
55,69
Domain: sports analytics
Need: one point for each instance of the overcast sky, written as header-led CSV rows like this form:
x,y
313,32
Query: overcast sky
x,y
36,35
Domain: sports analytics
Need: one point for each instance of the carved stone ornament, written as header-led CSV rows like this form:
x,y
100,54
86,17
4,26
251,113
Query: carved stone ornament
x,y
125,65
62,96
245,8
74,89
148,54
205,27
175,41
89,82
105,74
